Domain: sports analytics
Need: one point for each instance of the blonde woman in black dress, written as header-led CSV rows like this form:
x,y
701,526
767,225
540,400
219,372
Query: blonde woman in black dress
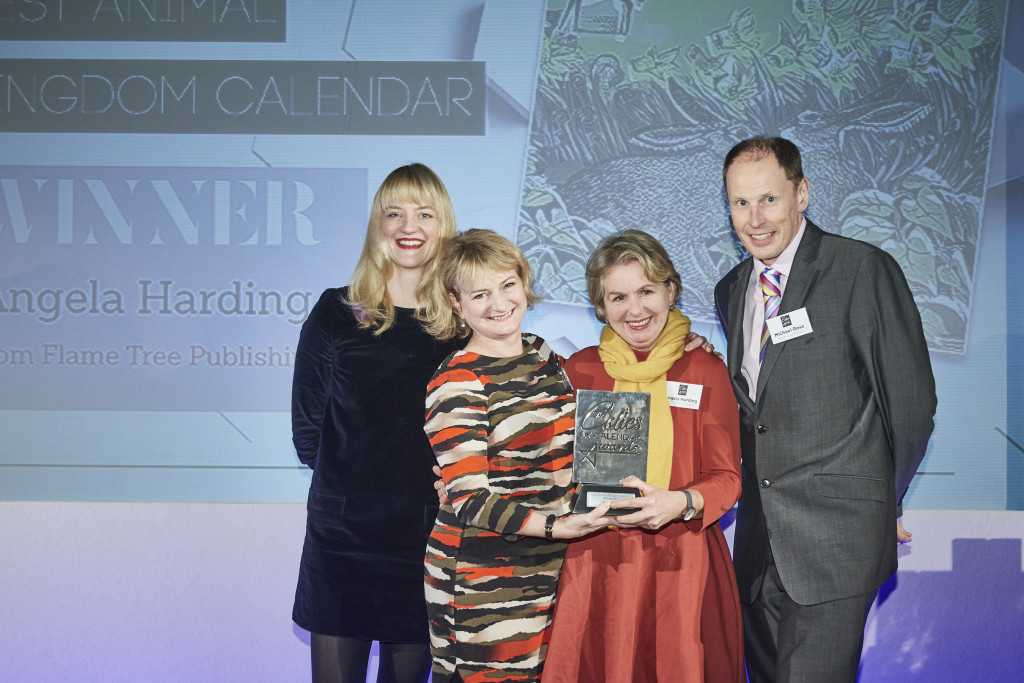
x,y
361,370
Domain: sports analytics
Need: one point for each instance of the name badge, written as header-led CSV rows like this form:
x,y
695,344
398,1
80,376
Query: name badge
x,y
790,325
682,395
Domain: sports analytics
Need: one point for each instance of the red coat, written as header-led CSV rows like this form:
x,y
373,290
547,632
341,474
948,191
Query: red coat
x,y
637,606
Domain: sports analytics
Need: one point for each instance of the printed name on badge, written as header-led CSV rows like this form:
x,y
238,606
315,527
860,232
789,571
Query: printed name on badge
x,y
682,395
790,325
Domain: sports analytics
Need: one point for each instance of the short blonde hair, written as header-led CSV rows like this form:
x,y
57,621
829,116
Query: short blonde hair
x,y
625,247
367,293
468,255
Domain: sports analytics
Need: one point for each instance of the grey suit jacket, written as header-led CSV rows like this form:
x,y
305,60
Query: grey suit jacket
x,y
841,423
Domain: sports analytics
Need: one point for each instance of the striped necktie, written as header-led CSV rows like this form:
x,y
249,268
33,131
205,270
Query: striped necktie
x,y
772,291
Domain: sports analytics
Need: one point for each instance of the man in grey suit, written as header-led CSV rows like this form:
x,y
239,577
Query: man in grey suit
x,y
831,371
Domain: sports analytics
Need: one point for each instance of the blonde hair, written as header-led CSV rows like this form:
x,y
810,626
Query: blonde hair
x,y
468,255
625,247
367,292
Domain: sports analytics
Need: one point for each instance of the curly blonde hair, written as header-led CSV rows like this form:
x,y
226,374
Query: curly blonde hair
x,y
465,257
367,293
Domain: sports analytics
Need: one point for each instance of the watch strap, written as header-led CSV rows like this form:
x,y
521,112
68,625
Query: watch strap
x,y
690,511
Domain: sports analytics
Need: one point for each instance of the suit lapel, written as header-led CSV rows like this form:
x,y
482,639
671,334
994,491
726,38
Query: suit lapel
x,y
801,280
734,333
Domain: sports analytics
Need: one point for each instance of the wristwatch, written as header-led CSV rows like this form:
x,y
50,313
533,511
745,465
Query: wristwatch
x,y
690,511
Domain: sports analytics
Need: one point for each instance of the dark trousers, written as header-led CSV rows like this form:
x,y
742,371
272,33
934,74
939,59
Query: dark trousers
x,y
787,642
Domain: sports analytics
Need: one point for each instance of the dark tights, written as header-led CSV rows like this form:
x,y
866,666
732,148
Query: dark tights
x,y
344,660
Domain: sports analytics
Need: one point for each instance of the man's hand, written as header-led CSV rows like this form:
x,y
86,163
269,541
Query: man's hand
x,y
694,341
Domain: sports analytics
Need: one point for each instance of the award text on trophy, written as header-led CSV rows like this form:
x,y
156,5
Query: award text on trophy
x,y
611,444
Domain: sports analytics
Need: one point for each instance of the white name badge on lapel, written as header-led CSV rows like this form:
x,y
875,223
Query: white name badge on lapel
x,y
790,325
682,395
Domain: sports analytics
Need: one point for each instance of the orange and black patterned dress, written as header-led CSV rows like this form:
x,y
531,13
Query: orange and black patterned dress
x,y
502,431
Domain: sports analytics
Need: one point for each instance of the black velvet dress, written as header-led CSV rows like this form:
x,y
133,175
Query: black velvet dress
x,y
357,421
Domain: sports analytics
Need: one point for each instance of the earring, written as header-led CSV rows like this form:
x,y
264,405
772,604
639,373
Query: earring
x,y
461,324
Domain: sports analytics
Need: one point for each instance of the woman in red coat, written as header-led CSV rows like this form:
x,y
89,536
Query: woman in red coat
x,y
654,598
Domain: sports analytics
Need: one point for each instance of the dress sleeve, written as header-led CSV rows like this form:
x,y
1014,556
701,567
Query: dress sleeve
x,y
311,379
719,447
458,428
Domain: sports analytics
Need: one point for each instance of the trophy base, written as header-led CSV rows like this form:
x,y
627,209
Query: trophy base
x,y
589,496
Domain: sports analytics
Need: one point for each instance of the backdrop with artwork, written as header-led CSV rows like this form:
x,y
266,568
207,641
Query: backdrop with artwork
x,y
180,180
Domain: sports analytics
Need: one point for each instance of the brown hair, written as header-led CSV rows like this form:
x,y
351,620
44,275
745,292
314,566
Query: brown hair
x,y
625,247
784,151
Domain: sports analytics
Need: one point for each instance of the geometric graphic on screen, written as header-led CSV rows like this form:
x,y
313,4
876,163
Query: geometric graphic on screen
x,y
891,104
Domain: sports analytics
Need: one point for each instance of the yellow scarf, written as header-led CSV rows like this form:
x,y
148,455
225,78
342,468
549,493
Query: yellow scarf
x,y
631,375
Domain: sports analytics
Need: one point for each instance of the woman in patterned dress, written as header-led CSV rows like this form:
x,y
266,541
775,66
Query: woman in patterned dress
x,y
500,417
361,369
